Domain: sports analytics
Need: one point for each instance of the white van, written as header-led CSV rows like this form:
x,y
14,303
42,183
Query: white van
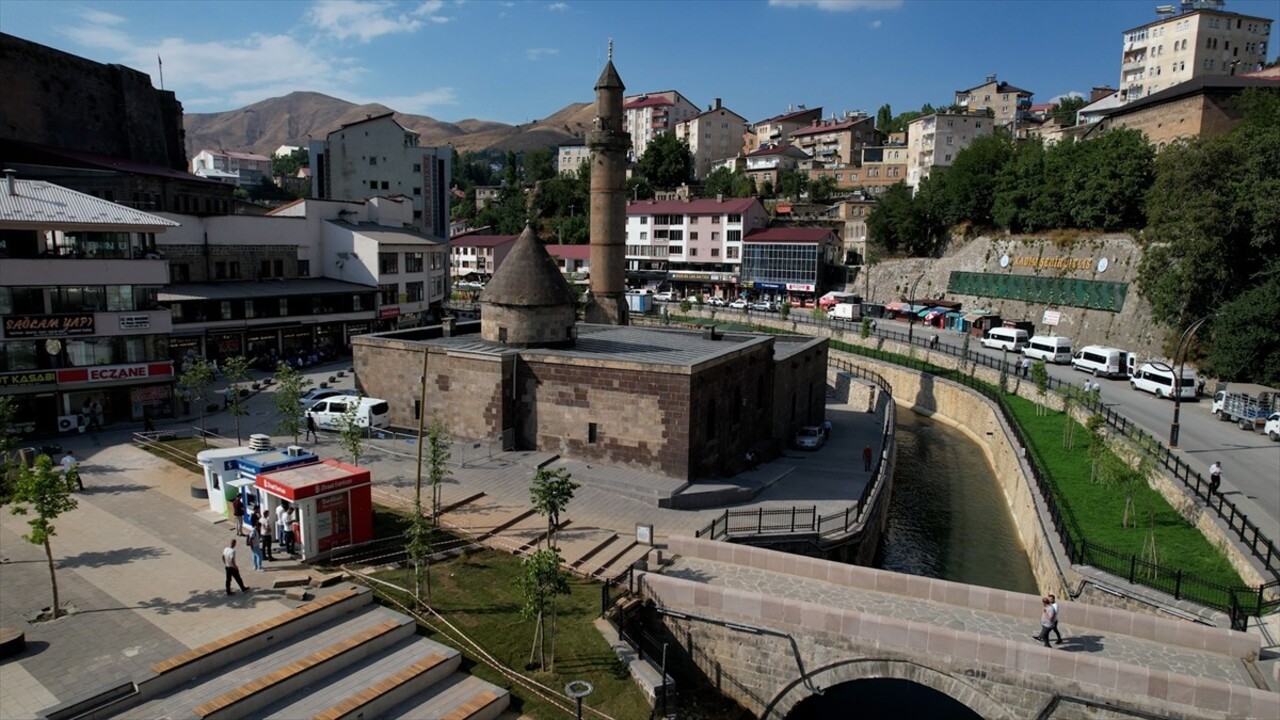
x,y
1158,379
1049,348
370,413
1003,338
1102,361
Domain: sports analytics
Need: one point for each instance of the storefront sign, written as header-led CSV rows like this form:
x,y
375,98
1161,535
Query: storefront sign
x,y
26,326
114,373
27,379
702,276
771,286
135,322
388,312
799,287
1053,262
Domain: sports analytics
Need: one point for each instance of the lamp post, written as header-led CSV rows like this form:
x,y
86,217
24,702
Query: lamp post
x,y
1177,380
911,318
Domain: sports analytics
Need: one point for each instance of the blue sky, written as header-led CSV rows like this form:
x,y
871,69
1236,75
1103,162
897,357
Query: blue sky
x,y
514,61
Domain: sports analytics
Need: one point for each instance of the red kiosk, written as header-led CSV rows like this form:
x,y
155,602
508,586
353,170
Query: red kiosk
x,y
335,508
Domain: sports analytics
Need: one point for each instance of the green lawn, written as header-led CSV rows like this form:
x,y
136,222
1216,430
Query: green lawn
x,y
478,594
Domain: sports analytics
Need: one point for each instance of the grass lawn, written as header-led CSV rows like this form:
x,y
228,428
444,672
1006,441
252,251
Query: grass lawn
x,y
479,595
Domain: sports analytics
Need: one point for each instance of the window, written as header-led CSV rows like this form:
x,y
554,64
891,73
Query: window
x,y
279,268
735,218
304,268
644,235
675,249
414,291
388,294
413,262
385,185
417,167
715,252
264,270
593,433
693,236
715,236
417,191
373,161
731,253
644,219
220,270
715,219
181,272
734,236
950,140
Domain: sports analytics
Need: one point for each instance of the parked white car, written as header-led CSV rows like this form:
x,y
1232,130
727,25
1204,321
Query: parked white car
x,y
716,302
739,304
665,296
810,437
1158,379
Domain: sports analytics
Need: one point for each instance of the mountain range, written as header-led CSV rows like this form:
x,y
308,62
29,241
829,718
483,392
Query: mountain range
x,y
291,120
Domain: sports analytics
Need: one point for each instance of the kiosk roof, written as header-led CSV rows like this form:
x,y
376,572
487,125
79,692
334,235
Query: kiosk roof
x,y
319,478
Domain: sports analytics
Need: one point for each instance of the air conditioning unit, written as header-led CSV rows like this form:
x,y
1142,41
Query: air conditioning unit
x,y
68,423
295,451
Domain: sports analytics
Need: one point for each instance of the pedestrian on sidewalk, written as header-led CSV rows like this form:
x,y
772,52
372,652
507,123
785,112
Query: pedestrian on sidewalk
x,y
71,470
255,546
232,569
281,523
1026,367
237,514
1053,603
1046,621
295,530
1215,476
265,530
311,429
867,455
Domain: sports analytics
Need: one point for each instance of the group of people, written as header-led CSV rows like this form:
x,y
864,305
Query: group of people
x,y
1048,620
267,529
1092,387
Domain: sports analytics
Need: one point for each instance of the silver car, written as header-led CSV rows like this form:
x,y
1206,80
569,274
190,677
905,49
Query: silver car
x,y
810,437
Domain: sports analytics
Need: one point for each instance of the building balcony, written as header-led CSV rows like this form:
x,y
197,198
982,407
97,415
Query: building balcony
x,y
1131,65
86,271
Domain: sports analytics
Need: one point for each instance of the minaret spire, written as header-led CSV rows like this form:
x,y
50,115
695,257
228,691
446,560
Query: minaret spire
x,y
609,143
610,49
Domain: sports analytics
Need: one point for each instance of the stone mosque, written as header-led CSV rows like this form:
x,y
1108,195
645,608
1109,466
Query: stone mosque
x,y
685,404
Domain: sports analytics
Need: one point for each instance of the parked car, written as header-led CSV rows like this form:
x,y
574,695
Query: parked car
x,y
763,306
315,394
1160,380
1272,428
810,437
739,304
665,296
716,302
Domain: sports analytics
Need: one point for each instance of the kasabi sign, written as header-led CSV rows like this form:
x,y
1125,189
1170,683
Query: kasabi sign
x,y
27,326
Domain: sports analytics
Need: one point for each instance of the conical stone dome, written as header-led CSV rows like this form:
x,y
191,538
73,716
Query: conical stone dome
x,y
528,303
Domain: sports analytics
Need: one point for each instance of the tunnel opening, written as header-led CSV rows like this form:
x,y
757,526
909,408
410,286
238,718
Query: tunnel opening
x,y
881,698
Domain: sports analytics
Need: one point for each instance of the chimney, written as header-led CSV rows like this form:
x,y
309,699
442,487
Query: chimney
x,y
8,181
709,333
448,325
716,105
991,78
719,197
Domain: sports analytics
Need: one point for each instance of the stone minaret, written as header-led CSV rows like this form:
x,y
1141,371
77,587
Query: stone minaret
x,y
609,144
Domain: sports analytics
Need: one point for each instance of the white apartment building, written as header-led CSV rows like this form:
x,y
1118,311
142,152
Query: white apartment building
x,y
569,157
1198,38
237,168
935,140
652,114
712,136
693,242
379,156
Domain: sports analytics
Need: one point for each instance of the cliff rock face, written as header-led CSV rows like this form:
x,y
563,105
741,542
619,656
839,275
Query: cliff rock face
x,y
1132,328
264,126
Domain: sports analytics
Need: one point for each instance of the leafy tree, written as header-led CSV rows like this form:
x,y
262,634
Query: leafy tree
x,y
892,222
666,163
639,188
44,495
351,433
8,444
197,378
792,184
422,529
551,492
1108,180
766,189
685,305
541,582
1029,190
511,171
784,309
1040,376
236,370
539,165
290,386
864,331
288,165
1064,111
884,116
1246,335
719,182
965,191
822,189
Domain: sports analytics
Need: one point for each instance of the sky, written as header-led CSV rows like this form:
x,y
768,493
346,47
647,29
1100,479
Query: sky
x,y
516,61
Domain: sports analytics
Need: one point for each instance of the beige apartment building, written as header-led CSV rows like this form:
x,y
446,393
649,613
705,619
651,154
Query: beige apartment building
x,y
571,155
652,114
1195,40
937,138
1005,102
777,129
837,141
712,136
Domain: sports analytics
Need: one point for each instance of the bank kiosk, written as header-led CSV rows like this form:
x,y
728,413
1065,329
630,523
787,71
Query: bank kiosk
x,y
221,469
334,501
254,464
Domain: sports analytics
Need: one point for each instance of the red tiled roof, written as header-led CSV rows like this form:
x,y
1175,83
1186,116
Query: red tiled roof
x,y
647,102
810,235
791,115
570,252
828,127
1042,107
778,150
482,240
701,206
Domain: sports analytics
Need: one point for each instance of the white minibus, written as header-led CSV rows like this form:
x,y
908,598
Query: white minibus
x,y
1102,361
1049,348
1003,338
1158,379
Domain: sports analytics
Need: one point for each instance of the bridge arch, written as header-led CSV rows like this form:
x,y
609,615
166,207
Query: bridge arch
x,y
961,689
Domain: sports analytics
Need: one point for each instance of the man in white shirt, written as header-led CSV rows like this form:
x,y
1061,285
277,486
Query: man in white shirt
x,y
71,468
231,568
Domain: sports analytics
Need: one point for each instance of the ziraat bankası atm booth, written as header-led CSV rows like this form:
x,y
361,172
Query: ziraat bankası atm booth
x,y
334,501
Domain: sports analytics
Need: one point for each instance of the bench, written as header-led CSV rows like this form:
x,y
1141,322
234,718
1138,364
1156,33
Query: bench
x,y
474,706
386,685
223,643
231,698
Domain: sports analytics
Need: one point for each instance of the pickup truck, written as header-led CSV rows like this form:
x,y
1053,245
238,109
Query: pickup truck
x,y
1272,428
1247,405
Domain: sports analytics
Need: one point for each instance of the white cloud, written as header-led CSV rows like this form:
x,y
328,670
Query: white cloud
x,y
368,19
875,24
838,5
558,7
1068,94
538,53
422,103
98,17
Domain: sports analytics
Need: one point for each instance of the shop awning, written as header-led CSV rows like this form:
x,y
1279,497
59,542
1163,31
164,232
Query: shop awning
x,y
895,306
976,314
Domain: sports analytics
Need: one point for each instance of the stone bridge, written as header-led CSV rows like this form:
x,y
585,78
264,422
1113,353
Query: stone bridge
x,y
774,630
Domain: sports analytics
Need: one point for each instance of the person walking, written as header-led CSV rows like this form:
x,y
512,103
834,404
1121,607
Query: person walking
x,y
232,569
290,535
1053,603
295,530
71,470
1046,621
1026,367
255,546
265,530
237,514
281,524
1215,476
867,455
311,429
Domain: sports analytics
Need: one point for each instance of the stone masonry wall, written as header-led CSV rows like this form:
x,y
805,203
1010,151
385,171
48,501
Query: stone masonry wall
x,y
731,412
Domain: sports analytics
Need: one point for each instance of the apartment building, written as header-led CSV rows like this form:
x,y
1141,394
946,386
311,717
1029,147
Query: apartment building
x,y
713,136
571,155
837,141
695,244
85,339
935,140
478,254
1003,101
777,129
767,163
652,114
379,156
241,169
852,213
1196,39
882,167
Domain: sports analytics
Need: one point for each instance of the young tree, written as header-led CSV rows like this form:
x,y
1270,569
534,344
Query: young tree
x,y
197,378
290,386
351,433
541,582
236,370
8,445
792,184
666,163
1040,376
822,189
1095,425
551,492
44,494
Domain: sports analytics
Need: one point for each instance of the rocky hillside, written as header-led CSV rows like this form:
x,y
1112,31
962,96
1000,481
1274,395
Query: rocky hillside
x,y
264,126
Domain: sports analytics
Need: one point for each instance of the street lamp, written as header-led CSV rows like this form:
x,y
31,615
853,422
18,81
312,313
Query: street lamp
x,y
1177,380
911,317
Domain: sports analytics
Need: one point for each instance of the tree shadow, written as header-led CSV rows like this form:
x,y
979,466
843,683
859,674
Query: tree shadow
x,y
120,556
691,574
